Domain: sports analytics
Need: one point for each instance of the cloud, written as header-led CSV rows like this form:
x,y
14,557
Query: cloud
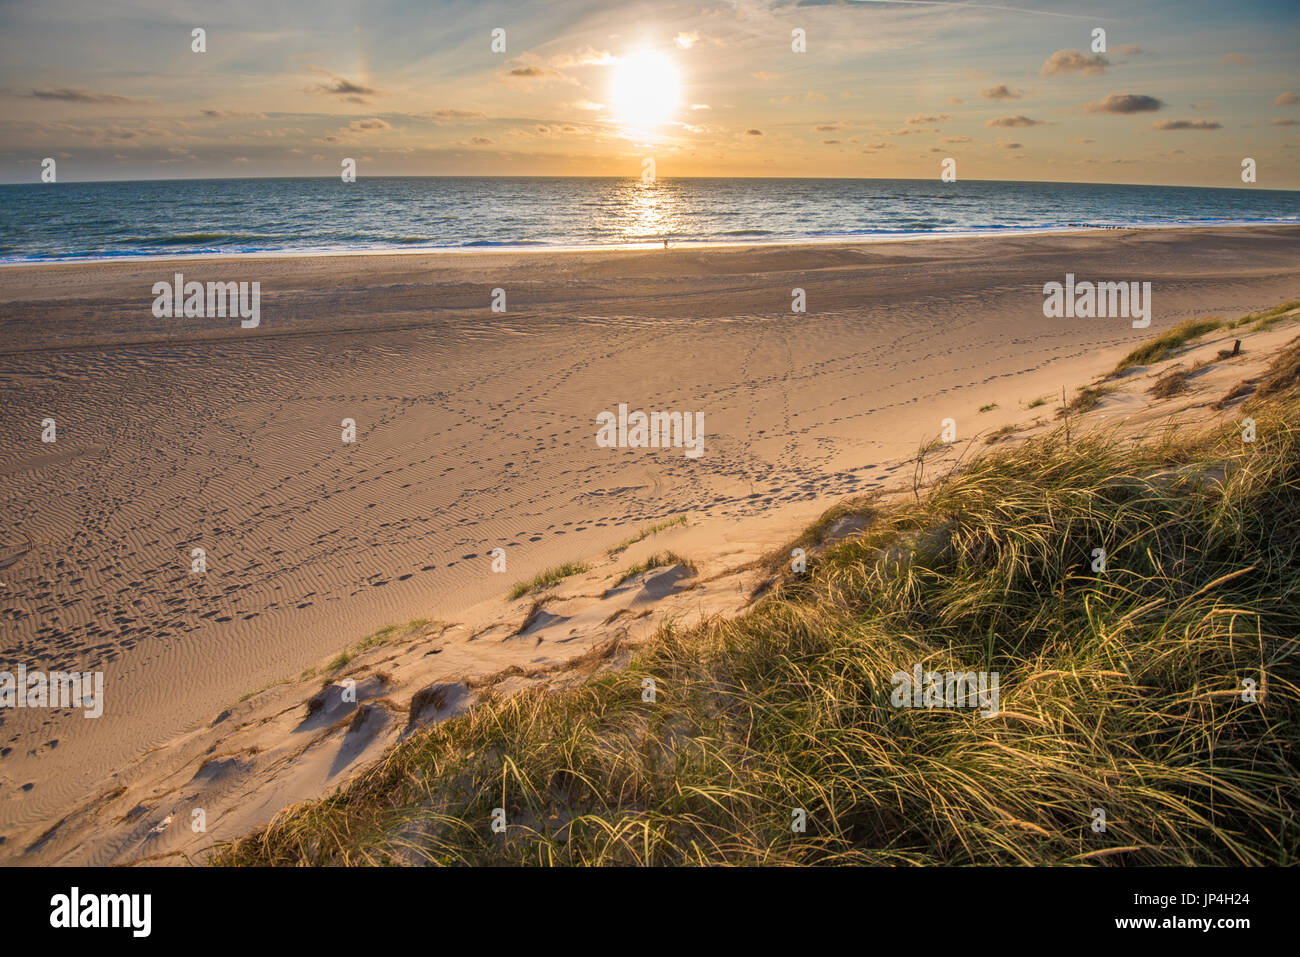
x,y
685,41
828,127
130,133
347,86
586,57
1279,121
1186,125
527,69
1001,92
1016,120
1126,49
926,120
954,100
530,71
831,142
753,132
231,114
1072,61
1124,103
1236,59
342,86
700,106
457,115
957,139
109,134
359,128
765,75
479,141
68,95
1285,99
1010,146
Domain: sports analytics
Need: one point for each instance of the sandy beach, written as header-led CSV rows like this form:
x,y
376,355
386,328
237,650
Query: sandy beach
x,y
475,430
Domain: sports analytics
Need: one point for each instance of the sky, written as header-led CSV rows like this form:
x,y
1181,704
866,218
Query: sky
x,y
1184,92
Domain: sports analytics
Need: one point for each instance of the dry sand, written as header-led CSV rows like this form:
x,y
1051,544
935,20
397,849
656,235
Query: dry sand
x,y
475,431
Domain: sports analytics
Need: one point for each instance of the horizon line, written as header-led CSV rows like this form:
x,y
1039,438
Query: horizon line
x,y
634,177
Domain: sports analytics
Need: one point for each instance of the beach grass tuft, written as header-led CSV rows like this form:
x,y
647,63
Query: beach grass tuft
x,y
1283,375
1002,433
646,532
1268,318
547,578
1163,346
1086,399
1170,384
375,639
660,560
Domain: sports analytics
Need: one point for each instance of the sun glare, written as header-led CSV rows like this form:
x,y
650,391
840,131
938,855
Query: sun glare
x,y
646,90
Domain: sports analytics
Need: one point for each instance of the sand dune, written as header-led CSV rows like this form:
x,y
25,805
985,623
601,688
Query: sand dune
x,y
475,431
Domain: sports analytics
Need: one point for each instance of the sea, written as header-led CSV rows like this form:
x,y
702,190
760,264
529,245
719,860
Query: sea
x,y
61,221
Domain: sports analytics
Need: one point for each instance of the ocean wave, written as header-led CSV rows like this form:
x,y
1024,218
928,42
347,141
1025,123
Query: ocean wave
x,y
504,242
182,239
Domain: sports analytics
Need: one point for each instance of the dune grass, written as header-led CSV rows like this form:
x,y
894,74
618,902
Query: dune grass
x,y
1120,690
1087,398
646,532
548,577
1282,378
660,560
1002,433
1170,384
1267,318
382,636
1163,346
345,657
815,534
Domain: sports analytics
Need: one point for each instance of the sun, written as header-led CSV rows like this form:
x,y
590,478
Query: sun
x,y
646,90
